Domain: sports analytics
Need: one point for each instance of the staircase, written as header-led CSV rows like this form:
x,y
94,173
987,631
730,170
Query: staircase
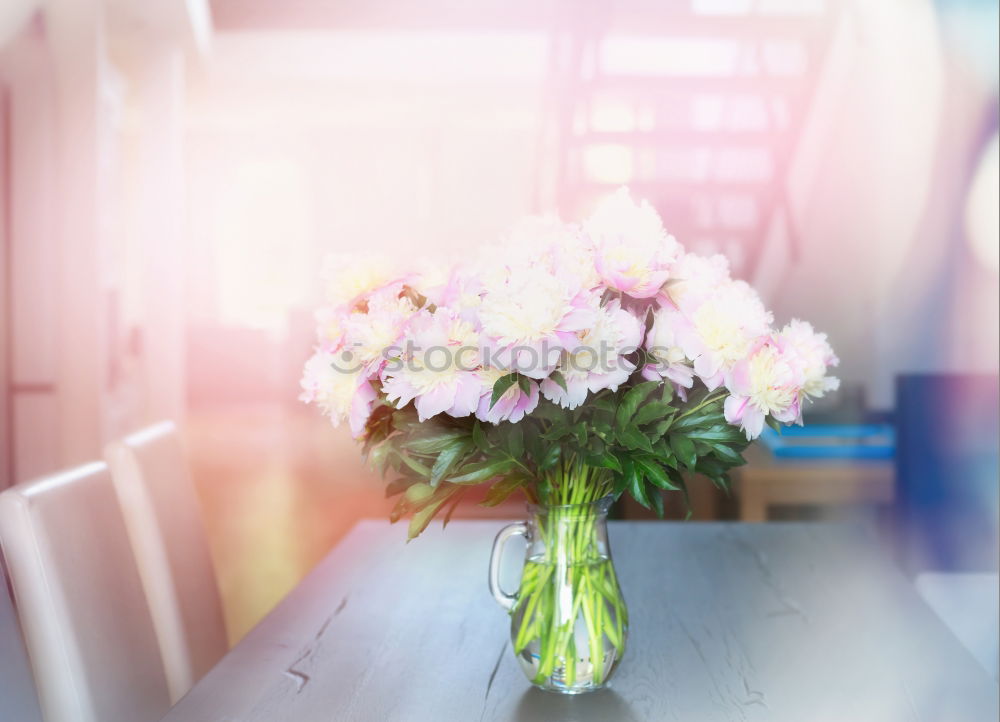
x,y
697,105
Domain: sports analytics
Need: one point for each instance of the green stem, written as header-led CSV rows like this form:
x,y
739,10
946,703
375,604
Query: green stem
x,y
713,396
572,580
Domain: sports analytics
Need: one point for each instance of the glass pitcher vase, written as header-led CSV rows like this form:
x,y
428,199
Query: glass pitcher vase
x,y
568,617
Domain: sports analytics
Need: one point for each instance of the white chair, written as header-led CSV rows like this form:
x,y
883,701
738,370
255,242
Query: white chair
x,y
164,522
81,604
17,688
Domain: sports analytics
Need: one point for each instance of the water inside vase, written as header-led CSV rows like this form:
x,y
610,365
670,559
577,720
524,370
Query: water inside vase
x,y
570,623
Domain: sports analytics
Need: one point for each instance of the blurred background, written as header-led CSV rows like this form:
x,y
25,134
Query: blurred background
x,y
172,173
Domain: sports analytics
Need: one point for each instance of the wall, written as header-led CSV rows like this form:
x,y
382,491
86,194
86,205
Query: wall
x,y
879,190
95,321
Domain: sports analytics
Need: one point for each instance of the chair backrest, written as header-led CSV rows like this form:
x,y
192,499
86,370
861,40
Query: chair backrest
x,y
81,604
164,522
17,688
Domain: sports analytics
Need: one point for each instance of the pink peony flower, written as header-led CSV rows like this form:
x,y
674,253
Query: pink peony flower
x,y
598,361
694,278
716,329
632,252
562,248
462,293
371,333
511,406
442,336
670,361
341,392
528,316
349,277
811,354
438,368
766,382
330,322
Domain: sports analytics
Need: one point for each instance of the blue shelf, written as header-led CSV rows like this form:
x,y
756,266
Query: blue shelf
x,y
832,441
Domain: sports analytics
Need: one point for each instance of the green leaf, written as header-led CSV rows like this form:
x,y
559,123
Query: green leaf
x,y
609,461
654,410
419,493
631,400
499,492
398,486
710,467
637,486
632,438
557,431
515,441
478,437
481,471
605,403
678,479
446,460
773,423
422,517
656,498
432,443
621,481
684,450
524,384
398,510
660,427
500,387
549,411
452,506
701,448
379,456
414,464
551,457
727,454
559,379
533,443
656,474
664,454
707,416
716,433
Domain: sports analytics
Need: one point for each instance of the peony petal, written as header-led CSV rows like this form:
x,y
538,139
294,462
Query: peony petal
x,y
361,408
650,372
707,365
713,382
680,374
738,381
734,407
467,395
434,402
753,422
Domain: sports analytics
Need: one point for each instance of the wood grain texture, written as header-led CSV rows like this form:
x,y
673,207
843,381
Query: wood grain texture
x,y
766,481
728,622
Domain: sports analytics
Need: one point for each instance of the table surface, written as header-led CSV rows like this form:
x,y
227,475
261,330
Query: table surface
x,y
728,621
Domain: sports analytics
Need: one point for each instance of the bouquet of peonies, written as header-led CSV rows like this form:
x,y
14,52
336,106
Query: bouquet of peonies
x,y
572,364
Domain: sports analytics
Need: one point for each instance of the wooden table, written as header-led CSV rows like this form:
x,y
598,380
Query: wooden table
x,y
767,481
797,622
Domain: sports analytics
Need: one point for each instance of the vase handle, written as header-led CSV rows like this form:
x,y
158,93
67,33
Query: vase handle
x,y
516,529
